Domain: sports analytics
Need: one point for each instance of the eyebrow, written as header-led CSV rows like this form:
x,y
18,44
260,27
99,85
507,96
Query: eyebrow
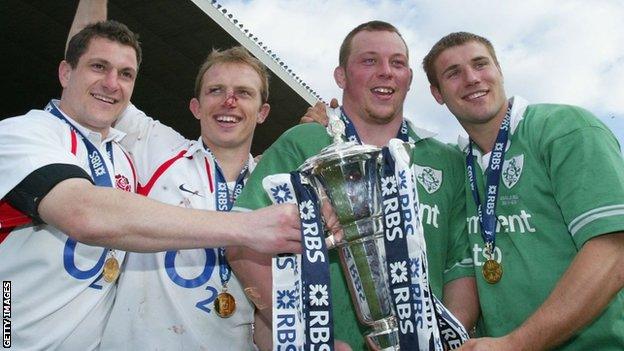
x,y
455,66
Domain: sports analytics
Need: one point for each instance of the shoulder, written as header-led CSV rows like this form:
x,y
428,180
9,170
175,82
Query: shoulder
x,y
437,151
36,125
544,123
560,118
302,132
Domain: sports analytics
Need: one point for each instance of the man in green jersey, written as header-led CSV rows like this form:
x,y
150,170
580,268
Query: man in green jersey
x,y
375,76
552,194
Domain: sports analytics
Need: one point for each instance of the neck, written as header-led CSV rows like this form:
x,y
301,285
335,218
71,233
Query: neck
x,y
67,111
374,133
230,160
484,134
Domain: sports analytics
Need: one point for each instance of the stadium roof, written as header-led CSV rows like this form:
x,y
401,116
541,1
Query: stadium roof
x,y
176,36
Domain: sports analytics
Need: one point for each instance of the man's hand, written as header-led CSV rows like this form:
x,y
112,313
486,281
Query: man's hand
x,y
318,113
272,230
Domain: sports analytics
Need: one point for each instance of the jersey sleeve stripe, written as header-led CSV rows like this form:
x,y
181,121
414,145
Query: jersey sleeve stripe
x,y
607,211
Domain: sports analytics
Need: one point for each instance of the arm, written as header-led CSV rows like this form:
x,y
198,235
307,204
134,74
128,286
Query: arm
x,y
461,298
88,11
586,288
113,218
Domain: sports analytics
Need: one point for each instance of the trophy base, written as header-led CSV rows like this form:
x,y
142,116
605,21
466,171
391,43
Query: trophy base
x,y
384,337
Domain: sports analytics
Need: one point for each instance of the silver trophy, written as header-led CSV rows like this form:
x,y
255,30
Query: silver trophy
x,y
348,175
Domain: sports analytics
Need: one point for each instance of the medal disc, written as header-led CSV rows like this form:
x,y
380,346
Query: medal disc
x,y
492,271
224,305
111,269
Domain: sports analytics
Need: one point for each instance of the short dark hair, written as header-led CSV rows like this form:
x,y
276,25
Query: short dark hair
x,y
447,42
371,26
112,30
236,54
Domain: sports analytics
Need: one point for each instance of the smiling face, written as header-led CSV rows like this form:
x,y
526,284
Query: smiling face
x,y
376,77
98,89
470,84
229,105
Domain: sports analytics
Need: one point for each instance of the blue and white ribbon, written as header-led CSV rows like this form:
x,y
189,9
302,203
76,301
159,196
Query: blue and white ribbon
x,y
288,327
437,328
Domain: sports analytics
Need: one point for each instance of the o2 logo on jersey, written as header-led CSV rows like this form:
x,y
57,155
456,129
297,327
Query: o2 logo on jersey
x,y
194,282
69,262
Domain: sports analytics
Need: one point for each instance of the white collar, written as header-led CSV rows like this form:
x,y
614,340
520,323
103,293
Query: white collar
x,y
197,146
420,132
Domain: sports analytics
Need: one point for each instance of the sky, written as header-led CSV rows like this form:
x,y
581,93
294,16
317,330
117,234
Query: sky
x,y
554,51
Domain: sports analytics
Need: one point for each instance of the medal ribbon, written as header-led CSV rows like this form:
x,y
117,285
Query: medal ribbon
x,y
352,135
316,291
224,203
99,172
487,218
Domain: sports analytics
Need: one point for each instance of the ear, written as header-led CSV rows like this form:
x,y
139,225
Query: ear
x,y
409,85
64,73
436,94
263,113
340,77
194,107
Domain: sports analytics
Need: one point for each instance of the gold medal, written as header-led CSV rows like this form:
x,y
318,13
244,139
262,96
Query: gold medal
x,y
492,271
111,269
224,305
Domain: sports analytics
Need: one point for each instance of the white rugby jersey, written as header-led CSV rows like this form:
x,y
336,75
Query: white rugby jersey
x,y
59,298
165,300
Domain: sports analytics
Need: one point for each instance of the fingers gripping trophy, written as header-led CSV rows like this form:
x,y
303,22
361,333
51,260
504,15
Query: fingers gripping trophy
x,y
372,193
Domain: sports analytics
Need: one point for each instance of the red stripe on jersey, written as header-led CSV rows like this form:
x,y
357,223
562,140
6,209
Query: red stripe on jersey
x,y
10,217
209,175
74,142
4,232
144,190
135,182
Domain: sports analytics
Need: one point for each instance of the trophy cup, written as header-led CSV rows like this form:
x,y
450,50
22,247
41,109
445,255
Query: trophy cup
x,y
348,174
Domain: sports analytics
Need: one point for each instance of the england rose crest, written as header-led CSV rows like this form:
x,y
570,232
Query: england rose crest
x,y
121,182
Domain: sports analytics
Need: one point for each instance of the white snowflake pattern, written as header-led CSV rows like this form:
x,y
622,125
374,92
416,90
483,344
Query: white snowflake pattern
x,y
319,295
306,210
398,272
388,186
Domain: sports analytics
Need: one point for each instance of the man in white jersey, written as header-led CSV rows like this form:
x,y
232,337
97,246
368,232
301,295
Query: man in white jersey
x,y
545,207
63,266
170,299
167,299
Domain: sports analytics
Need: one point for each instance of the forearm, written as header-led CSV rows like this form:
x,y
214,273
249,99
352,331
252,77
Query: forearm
x,y
582,293
114,218
263,338
253,270
461,298
88,11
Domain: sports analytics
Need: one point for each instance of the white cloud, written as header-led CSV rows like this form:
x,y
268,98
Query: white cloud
x,y
550,51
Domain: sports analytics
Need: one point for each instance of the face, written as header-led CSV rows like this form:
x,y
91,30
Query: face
x,y
99,88
471,85
229,106
376,78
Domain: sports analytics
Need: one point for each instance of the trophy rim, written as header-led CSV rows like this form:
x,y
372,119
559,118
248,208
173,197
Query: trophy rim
x,y
335,152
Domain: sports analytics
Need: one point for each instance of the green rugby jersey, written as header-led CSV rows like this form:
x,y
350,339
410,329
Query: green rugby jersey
x,y
442,207
562,183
